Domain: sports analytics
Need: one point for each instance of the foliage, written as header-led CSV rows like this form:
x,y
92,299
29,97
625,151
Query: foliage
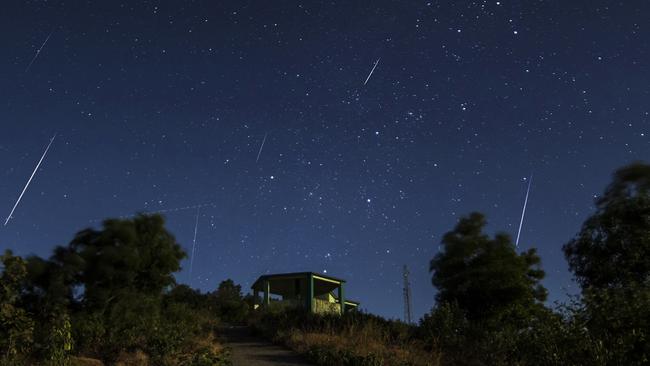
x,y
47,295
484,275
111,294
183,325
518,336
16,326
127,256
356,338
613,248
89,333
620,319
56,340
610,258
229,303
205,356
122,270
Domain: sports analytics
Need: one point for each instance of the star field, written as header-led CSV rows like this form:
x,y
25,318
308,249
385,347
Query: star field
x,y
163,106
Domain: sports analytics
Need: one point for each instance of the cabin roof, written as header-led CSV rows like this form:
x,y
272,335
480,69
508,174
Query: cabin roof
x,y
293,275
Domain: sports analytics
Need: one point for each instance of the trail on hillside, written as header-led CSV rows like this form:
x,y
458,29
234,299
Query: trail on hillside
x,y
248,350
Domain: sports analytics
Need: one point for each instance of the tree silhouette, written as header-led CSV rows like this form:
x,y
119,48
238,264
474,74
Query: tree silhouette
x,y
231,306
136,256
613,248
122,271
484,275
610,258
16,326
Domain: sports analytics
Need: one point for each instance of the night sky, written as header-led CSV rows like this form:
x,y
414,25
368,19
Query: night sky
x,y
164,106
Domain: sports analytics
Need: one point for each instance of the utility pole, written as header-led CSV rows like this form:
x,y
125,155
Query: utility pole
x,y
407,295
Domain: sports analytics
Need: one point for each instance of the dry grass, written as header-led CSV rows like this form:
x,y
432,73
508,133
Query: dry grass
x,y
354,339
85,361
208,345
362,346
365,348
137,358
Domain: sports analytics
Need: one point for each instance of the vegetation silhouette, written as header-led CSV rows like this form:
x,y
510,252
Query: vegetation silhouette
x,y
484,275
110,294
610,258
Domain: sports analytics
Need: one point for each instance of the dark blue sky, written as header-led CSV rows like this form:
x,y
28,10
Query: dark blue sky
x,y
164,105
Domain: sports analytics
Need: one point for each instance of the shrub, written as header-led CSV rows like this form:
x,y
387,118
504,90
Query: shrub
x,y
57,339
354,339
519,337
16,325
205,356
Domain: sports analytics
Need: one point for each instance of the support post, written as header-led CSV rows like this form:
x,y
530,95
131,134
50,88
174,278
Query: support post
x,y
310,293
256,296
267,291
342,298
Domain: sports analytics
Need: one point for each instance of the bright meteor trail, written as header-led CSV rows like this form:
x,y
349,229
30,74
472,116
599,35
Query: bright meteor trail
x,y
261,147
196,227
30,180
371,71
38,51
523,212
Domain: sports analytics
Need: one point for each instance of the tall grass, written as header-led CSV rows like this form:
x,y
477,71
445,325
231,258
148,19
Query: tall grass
x,y
354,339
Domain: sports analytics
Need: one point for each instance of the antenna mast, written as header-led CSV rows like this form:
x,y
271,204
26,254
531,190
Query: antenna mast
x,y
407,295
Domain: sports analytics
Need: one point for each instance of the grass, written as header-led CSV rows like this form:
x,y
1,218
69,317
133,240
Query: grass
x,y
199,351
355,339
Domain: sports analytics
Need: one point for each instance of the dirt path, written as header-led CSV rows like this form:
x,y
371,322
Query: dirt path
x,y
248,350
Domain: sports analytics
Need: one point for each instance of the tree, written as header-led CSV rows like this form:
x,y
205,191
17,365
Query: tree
x,y
109,292
613,248
136,256
485,276
229,303
122,270
228,291
610,258
16,326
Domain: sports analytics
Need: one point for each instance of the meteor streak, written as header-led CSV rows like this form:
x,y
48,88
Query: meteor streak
x,y
38,51
261,147
166,210
371,71
196,227
30,180
523,212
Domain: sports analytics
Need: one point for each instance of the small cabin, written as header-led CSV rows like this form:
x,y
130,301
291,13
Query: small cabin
x,y
315,292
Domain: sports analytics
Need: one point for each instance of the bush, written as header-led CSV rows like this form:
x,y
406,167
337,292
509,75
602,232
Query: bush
x,y
205,356
354,339
16,325
519,337
620,319
57,339
111,293
177,335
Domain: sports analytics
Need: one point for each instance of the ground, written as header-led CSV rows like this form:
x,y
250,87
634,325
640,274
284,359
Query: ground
x,y
248,350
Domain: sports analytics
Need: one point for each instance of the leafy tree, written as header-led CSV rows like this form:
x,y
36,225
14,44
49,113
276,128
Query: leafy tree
x,y
122,270
229,302
484,275
186,295
16,326
228,291
56,338
48,295
111,294
613,248
126,257
610,258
